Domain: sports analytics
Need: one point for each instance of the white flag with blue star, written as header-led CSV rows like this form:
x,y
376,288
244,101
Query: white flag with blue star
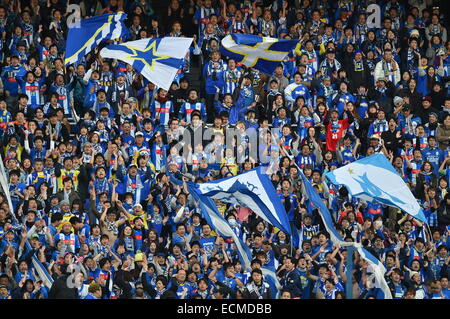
x,y
374,178
158,59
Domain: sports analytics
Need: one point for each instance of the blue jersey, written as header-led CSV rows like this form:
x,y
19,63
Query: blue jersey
x,y
19,276
35,153
332,293
347,154
208,244
202,16
15,198
32,90
399,291
63,92
302,160
158,155
279,122
43,52
374,209
161,112
106,81
71,241
187,108
85,232
344,98
303,124
9,75
378,127
435,156
182,287
363,106
307,232
37,178
231,80
290,203
292,92
214,75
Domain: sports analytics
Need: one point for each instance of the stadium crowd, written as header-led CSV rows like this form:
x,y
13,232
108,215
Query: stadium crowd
x,y
91,151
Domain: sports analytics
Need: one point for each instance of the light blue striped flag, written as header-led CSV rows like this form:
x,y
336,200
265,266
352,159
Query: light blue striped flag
x,y
42,272
87,34
374,178
261,53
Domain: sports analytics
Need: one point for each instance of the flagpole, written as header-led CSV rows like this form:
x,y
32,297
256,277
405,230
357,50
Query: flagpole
x,y
349,275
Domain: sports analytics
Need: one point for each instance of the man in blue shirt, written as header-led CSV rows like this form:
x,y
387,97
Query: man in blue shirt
x,y
9,74
207,242
433,154
291,279
95,291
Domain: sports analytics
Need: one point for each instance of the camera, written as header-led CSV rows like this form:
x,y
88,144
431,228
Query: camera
x,y
214,76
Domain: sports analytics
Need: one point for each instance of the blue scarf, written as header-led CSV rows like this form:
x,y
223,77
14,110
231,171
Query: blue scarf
x,y
135,187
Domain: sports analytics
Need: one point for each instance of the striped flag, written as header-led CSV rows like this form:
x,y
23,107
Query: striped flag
x,y
373,178
376,266
219,224
85,35
252,189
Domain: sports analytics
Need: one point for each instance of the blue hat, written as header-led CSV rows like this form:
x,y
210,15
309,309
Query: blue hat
x,y
119,74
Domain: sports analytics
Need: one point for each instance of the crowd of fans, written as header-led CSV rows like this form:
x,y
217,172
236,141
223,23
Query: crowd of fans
x,y
92,157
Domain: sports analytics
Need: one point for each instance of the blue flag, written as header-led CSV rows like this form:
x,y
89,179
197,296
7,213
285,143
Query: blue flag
x,y
41,271
263,54
317,202
158,60
374,178
214,219
86,35
377,268
377,271
254,190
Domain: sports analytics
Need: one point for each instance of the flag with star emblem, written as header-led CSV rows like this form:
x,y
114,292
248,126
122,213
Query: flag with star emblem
x,y
85,35
261,53
373,178
158,59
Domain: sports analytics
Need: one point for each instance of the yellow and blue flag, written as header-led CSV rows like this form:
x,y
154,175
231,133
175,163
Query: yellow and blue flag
x,y
261,53
157,59
86,35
